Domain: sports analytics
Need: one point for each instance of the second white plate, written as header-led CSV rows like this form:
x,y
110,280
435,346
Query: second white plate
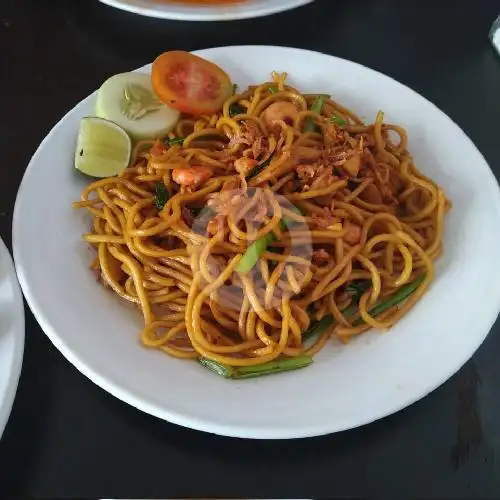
x,y
224,12
11,334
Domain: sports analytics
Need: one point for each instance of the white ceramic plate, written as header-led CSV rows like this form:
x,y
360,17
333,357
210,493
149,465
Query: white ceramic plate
x,y
375,375
185,12
11,334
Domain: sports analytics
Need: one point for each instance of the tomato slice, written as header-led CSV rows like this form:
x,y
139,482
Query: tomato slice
x,y
189,83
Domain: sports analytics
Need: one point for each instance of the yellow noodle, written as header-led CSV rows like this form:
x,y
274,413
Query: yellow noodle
x,y
180,263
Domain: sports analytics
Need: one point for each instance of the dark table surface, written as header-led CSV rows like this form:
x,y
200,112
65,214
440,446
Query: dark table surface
x,y
68,438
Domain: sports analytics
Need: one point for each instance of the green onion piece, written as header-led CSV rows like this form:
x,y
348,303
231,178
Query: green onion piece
x,y
242,372
316,107
273,90
254,251
236,109
350,310
357,288
319,327
175,140
271,367
259,168
393,300
338,120
161,195
258,247
222,370
382,305
235,88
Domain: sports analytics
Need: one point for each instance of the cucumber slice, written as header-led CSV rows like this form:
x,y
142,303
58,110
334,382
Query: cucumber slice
x,y
103,148
128,99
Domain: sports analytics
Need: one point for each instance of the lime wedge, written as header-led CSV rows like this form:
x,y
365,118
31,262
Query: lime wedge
x,y
103,148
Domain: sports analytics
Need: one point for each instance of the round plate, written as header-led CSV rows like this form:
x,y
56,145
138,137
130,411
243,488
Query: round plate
x,y
184,12
11,334
347,386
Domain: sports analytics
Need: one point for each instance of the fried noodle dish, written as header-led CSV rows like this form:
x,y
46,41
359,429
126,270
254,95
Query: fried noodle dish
x,y
257,233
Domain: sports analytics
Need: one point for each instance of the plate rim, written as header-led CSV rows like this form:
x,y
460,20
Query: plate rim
x,y
232,430
208,13
18,332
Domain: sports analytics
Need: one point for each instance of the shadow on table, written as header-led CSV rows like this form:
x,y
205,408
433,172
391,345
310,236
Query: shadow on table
x,y
23,437
394,449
